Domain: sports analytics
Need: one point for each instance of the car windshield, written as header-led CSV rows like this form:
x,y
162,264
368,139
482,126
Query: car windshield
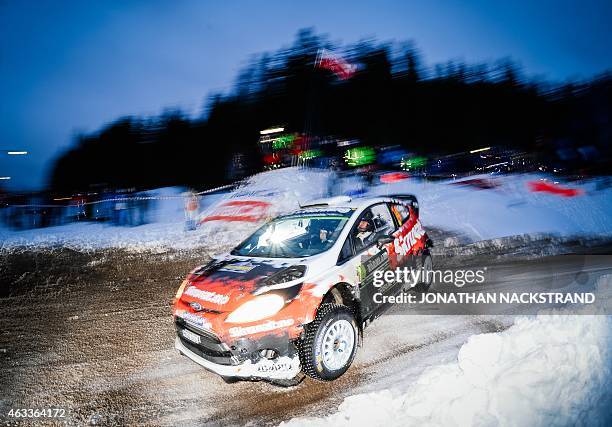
x,y
295,236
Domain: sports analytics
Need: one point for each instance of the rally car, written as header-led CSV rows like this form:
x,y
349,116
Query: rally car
x,y
294,297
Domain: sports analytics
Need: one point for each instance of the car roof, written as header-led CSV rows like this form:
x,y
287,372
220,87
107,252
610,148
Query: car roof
x,y
346,202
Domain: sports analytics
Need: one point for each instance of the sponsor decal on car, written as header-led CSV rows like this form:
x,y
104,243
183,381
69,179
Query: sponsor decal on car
x,y
241,267
369,264
193,319
209,296
274,367
239,331
404,244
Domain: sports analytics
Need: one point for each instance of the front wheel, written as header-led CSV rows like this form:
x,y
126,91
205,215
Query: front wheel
x,y
330,344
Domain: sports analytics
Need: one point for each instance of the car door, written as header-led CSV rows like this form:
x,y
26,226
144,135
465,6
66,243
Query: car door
x,y
401,214
367,257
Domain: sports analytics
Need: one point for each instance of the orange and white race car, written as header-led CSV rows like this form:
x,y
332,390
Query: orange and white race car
x,y
295,296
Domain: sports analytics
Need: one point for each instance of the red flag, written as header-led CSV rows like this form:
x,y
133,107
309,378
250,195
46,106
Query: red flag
x,y
541,186
336,64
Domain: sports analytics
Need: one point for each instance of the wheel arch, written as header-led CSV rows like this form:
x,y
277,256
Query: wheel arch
x,y
342,293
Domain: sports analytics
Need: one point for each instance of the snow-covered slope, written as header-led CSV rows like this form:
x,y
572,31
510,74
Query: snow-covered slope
x,y
506,209
509,208
550,370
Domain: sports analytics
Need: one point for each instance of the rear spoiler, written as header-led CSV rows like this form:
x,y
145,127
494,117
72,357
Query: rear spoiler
x,y
409,199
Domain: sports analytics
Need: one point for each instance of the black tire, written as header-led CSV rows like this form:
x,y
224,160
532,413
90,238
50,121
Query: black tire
x,y
421,263
230,380
311,347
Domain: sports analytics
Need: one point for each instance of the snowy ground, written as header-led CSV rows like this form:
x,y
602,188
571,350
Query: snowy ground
x,y
470,213
549,370
284,189
103,348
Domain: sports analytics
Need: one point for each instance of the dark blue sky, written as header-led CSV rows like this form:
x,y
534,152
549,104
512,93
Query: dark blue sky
x,y
67,67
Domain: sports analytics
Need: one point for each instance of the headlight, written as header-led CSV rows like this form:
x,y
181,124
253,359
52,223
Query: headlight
x,y
256,309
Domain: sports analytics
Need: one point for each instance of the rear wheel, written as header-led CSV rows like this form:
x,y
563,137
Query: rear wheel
x,y
330,344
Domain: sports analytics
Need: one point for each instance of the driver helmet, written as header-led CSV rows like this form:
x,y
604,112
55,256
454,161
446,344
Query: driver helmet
x,y
365,223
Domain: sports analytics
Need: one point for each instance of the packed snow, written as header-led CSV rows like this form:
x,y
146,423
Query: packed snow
x,y
552,369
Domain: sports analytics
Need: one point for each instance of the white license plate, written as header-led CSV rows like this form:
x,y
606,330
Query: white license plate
x,y
191,336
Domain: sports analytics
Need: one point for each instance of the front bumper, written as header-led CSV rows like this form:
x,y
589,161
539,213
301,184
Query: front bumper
x,y
281,368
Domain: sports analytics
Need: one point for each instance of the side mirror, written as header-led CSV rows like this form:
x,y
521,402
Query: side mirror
x,y
384,240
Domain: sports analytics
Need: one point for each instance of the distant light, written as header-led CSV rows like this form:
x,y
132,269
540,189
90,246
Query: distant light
x,y
62,198
310,154
360,156
16,153
272,130
416,162
497,164
5,177
479,150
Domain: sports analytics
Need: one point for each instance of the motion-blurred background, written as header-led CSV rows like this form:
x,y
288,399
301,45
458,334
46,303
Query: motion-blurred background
x,y
105,99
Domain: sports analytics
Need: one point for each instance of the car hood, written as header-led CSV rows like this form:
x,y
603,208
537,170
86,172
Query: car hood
x,y
225,283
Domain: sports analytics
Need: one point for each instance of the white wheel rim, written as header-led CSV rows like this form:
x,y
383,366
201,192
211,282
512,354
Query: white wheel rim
x,y
338,343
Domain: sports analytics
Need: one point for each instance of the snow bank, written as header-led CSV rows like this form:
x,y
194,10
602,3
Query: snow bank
x,y
165,229
284,189
509,208
549,370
